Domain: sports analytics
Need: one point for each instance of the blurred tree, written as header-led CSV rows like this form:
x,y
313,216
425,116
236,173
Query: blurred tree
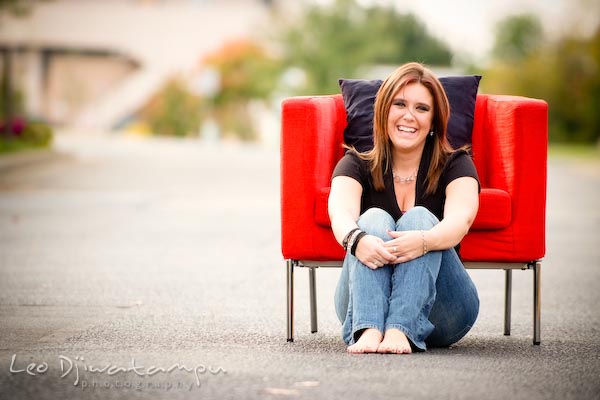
x,y
565,73
10,103
8,93
174,110
404,38
17,7
246,73
574,97
16,133
517,36
332,42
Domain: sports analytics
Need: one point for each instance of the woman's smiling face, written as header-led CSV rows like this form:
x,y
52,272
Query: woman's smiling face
x,y
411,116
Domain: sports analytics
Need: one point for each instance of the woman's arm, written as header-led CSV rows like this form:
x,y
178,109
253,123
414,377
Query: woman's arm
x,y
460,209
344,205
344,210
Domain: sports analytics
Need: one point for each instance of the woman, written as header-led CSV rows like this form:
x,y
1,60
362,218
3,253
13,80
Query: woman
x,y
400,210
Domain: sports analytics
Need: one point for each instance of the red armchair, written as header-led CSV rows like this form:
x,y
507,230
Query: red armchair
x,y
509,147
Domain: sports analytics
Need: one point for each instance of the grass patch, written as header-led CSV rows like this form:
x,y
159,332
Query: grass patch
x,y
33,136
14,145
588,152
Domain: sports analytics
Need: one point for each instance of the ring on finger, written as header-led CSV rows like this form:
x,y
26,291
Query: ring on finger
x,y
394,249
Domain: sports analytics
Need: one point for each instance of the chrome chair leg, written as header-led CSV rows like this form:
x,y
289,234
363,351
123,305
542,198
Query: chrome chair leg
x,y
507,301
313,299
537,302
290,300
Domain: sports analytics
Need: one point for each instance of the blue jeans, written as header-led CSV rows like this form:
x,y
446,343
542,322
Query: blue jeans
x,y
431,299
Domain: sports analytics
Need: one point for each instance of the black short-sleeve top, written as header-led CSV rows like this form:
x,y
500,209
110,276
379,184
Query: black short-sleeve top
x,y
459,165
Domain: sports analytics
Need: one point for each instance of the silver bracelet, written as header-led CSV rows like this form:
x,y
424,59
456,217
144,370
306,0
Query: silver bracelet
x,y
425,251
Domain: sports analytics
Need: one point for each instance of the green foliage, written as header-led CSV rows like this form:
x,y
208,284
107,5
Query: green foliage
x,y
579,152
16,7
173,111
246,73
35,135
404,39
16,100
333,42
517,36
234,120
566,74
574,96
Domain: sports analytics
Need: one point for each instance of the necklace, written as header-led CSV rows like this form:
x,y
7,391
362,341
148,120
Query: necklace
x,y
408,179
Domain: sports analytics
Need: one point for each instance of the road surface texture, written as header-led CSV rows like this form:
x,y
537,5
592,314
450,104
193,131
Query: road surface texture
x,y
151,268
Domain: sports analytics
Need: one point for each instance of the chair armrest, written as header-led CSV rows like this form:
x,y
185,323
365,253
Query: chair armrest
x,y
510,138
510,142
311,145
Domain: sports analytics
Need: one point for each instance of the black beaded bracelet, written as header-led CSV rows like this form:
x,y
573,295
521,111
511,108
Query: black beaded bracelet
x,y
352,239
355,244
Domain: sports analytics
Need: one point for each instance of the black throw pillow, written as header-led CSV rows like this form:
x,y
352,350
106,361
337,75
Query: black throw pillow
x,y
359,100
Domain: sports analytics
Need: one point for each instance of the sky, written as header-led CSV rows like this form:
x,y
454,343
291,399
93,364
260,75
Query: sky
x,y
468,25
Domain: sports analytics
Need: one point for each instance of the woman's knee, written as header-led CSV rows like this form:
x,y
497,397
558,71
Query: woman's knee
x,y
417,218
376,221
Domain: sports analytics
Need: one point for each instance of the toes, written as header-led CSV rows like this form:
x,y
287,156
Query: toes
x,y
384,348
394,346
394,349
368,343
359,348
354,349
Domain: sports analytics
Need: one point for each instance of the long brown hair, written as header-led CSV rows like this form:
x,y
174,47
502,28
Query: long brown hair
x,y
380,157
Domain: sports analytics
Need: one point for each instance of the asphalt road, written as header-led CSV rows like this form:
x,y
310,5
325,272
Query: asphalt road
x,y
151,269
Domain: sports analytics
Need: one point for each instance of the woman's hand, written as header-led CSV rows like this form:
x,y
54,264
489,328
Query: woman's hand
x,y
405,245
372,252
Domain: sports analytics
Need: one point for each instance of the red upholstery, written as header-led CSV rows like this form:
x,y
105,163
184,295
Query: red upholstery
x,y
509,151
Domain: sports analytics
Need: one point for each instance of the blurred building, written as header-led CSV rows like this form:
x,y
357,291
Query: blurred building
x,y
90,64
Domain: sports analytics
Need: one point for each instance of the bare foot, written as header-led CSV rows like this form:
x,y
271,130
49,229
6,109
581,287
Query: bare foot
x,y
395,342
367,343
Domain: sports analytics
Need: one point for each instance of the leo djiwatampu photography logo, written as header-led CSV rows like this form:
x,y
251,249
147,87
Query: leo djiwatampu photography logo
x,y
80,372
